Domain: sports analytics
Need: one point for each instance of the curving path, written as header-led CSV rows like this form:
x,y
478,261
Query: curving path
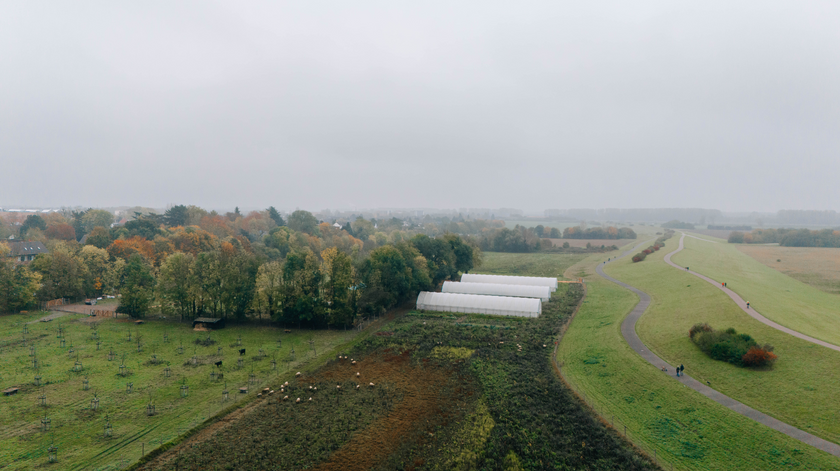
x,y
628,331
743,304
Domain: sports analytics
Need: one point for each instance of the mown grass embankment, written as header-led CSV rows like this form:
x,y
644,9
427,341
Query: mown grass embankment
x,y
685,428
775,295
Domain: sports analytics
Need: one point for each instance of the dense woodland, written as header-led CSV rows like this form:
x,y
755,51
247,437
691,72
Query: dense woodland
x,y
788,237
191,262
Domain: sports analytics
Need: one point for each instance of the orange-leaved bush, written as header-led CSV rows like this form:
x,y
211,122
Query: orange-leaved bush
x,y
758,356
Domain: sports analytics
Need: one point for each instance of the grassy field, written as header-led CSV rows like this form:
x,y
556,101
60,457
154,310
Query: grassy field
x,y
776,296
798,390
528,264
686,429
450,392
78,430
818,267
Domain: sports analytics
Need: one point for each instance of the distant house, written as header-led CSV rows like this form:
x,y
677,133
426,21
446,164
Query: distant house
x,y
119,223
25,251
337,225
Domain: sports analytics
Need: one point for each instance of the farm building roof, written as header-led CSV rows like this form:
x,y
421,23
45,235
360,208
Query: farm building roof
x,y
511,280
493,289
18,248
477,304
207,320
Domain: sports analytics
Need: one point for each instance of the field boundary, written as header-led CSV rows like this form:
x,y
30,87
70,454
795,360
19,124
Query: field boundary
x,y
628,331
582,399
743,304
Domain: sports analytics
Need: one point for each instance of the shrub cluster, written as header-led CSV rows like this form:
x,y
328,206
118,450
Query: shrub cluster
x,y
731,347
660,242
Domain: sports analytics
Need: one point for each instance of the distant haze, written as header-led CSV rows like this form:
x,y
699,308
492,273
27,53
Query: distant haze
x,y
532,105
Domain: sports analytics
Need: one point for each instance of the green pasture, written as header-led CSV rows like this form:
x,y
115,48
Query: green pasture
x,y
528,264
78,430
798,389
684,428
775,295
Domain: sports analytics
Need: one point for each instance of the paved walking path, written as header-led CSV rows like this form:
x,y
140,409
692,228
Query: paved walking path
x,y
743,304
628,330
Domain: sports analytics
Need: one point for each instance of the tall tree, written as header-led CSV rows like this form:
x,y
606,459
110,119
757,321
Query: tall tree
x,y
275,216
337,270
33,221
18,285
99,237
176,216
136,293
303,221
269,288
96,218
176,283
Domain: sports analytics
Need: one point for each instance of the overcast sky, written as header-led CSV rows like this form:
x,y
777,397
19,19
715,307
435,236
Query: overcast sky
x,y
726,105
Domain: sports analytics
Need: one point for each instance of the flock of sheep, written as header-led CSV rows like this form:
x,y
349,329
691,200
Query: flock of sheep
x,y
285,386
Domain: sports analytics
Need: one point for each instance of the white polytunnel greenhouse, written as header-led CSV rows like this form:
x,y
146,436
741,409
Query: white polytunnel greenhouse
x,y
492,289
477,304
511,280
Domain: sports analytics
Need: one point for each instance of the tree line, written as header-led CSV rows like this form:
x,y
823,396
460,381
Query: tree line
x,y
298,270
788,237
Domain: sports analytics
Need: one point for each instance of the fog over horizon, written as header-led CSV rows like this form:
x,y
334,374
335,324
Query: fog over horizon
x,y
720,105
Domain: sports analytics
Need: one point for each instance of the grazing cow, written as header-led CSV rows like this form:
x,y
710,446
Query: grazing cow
x,y
219,363
241,351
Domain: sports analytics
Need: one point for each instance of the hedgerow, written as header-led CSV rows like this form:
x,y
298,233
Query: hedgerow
x,y
658,244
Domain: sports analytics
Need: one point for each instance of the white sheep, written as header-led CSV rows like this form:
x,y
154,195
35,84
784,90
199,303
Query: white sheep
x,y
358,374
271,392
298,401
358,386
338,386
286,384
371,384
352,362
297,375
285,398
310,399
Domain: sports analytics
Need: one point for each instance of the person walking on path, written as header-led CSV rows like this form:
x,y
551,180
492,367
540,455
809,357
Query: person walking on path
x,y
682,368
748,304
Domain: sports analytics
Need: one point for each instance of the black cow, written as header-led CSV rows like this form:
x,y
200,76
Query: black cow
x,y
241,351
219,363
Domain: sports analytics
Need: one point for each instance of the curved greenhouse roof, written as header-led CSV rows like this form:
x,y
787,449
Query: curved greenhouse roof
x,y
511,280
476,304
493,289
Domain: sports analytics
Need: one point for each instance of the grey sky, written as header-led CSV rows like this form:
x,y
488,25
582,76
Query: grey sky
x,y
726,105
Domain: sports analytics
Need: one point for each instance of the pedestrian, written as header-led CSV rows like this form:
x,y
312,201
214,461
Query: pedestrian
x,y
748,304
677,369
682,368
724,284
